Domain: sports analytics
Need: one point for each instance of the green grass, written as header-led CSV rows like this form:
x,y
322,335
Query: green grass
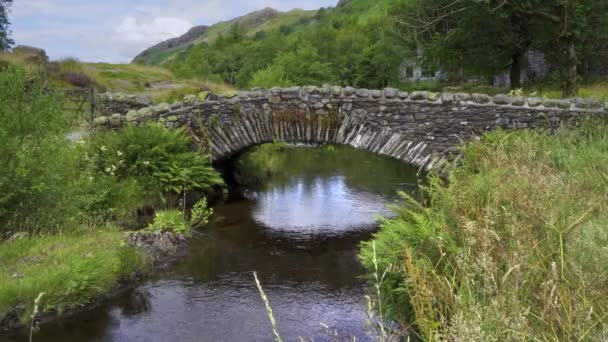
x,y
588,89
72,270
116,76
511,246
597,90
161,84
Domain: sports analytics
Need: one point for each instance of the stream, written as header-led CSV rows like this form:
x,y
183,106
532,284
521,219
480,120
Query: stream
x,y
300,230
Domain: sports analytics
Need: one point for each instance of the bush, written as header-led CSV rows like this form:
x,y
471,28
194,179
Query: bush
x,y
38,165
200,213
77,79
162,160
172,220
273,76
511,247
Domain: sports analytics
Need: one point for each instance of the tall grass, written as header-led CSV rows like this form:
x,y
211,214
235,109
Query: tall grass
x,y
513,246
71,269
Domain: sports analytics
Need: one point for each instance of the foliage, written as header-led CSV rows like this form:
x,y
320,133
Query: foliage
x,y
489,36
38,164
510,247
201,213
334,48
272,76
162,160
5,40
71,269
103,198
172,220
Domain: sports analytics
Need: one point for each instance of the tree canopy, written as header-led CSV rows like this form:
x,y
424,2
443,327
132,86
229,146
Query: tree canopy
x,y
326,49
487,36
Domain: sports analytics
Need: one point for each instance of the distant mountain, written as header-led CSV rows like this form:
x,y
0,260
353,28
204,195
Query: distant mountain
x,y
183,40
265,19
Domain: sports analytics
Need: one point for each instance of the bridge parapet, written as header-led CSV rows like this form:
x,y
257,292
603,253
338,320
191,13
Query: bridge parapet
x,y
420,128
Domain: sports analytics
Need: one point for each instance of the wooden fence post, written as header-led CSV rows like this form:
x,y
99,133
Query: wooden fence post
x,y
92,105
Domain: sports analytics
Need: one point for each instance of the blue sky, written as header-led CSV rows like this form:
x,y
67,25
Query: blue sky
x,y
116,30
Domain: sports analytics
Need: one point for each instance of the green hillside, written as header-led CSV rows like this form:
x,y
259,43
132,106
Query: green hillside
x,y
350,44
266,19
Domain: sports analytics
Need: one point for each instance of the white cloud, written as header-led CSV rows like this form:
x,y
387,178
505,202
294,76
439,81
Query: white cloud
x,y
134,35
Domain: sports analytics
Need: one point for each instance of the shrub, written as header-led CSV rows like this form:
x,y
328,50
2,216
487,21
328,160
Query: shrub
x,y
511,247
162,160
77,79
273,76
38,165
201,213
102,198
172,220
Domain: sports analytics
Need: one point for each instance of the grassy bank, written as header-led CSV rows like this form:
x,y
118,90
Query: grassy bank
x,y
513,246
63,203
72,270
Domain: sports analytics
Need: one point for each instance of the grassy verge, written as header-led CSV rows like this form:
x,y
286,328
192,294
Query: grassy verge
x,y
160,83
512,247
72,270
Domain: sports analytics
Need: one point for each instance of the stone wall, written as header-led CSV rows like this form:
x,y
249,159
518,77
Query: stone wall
x,y
110,103
420,128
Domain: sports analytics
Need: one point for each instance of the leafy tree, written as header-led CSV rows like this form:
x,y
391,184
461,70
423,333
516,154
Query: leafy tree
x,y
569,23
305,67
466,35
37,164
273,76
377,65
489,33
5,40
196,64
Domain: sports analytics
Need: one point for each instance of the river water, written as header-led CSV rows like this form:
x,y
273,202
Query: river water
x,y
300,230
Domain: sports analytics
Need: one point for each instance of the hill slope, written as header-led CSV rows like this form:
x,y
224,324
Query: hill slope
x,y
266,19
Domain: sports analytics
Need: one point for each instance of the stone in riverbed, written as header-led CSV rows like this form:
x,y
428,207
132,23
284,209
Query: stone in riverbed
x,y
157,244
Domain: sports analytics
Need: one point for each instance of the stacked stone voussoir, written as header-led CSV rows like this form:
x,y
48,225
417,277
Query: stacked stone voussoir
x,y
420,127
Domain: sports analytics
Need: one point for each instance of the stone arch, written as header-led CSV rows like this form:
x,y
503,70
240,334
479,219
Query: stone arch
x,y
420,128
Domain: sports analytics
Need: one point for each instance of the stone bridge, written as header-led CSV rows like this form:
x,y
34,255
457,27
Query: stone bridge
x,y
420,128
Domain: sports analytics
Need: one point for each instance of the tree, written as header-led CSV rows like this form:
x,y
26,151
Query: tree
x,y
466,35
568,19
5,40
196,64
498,28
273,76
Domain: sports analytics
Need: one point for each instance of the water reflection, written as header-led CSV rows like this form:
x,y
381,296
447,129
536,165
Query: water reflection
x,y
317,206
300,232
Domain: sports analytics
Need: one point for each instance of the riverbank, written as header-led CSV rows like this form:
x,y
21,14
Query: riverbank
x,y
78,271
511,247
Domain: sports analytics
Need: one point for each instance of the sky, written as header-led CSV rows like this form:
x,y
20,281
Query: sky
x,y
115,31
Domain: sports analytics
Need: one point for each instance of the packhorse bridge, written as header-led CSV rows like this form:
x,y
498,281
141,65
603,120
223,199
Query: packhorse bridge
x,y
420,128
